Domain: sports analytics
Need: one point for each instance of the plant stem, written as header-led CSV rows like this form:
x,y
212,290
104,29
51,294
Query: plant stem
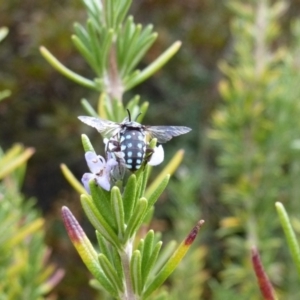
x,y
125,259
114,83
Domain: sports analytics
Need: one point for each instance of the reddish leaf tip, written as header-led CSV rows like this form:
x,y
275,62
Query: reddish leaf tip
x,y
192,235
265,285
73,228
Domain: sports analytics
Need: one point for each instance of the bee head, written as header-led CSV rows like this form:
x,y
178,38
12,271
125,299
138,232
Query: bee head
x,y
128,121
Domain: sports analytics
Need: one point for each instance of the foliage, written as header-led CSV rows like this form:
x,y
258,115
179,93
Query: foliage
x,y
43,109
24,271
290,235
126,267
255,130
3,34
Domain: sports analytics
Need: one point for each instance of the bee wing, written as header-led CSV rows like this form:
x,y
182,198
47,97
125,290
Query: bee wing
x,y
165,133
105,127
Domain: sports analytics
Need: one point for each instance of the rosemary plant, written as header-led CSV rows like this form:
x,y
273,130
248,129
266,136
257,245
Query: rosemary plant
x,y
128,265
24,269
25,272
3,34
257,130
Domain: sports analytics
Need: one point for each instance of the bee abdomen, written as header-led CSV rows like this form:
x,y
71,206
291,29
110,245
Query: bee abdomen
x,y
133,146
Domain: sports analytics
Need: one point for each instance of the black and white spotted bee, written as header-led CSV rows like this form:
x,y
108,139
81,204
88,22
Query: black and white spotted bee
x,y
128,140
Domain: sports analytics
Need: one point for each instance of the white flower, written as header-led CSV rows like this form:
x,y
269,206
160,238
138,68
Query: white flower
x,y
157,156
100,171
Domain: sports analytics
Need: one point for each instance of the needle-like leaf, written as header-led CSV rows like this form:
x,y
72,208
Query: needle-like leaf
x,y
174,260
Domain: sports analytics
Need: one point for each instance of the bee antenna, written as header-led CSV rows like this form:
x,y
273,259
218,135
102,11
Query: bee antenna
x,y
129,116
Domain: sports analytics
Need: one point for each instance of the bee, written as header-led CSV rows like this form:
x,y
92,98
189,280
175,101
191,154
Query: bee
x,y
128,139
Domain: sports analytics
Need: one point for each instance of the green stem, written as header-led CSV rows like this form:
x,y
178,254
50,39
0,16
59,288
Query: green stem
x,y
125,259
289,234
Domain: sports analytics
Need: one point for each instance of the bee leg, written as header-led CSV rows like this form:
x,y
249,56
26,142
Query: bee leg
x,y
148,153
119,156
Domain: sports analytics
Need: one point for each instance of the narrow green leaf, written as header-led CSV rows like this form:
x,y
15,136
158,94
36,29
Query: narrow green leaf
x,y
4,94
110,273
109,13
3,33
19,174
88,108
85,249
87,145
95,11
150,263
117,262
82,34
108,108
100,106
132,46
15,162
140,246
99,29
130,77
99,222
157,192
136,218
136,113
142,182
132,103
84,51
166,253
154,66
170,168
103,245
289,234
117,209
93,6
144,108
24,232
101,200
10,154
149,216
148,247
72,179
124,37
146,33
95,48
139,52
122,11
67,72
135,272
129,197
118,110
173,261
136,49
106,46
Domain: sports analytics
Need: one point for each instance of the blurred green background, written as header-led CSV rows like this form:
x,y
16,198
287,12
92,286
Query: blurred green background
x,y
43,108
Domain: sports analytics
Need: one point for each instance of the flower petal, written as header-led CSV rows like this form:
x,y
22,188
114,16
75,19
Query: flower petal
x,y
95,163
103,181
157,157
86,178
110,164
